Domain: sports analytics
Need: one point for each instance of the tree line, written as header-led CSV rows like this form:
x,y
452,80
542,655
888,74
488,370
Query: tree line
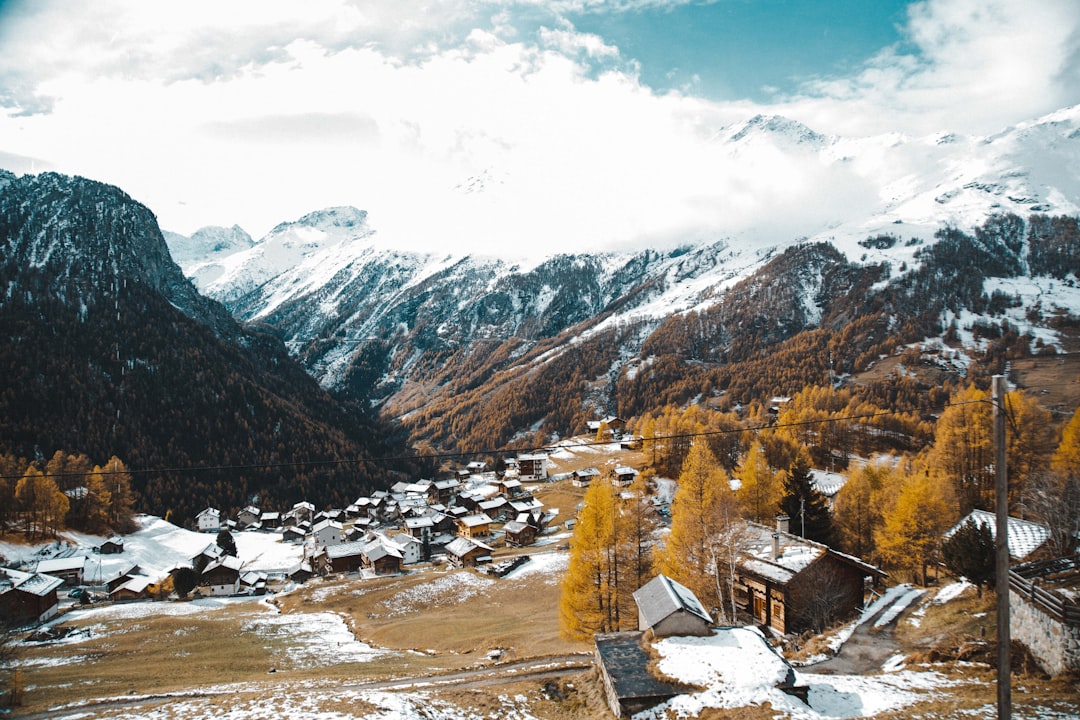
x,y
67,491
892,511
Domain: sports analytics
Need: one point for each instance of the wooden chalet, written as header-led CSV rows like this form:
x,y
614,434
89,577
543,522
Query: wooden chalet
x,y
135,587
28,597
221,577
69,569
519,534
346,557
467,552
112,546
792,584
471,526
382,558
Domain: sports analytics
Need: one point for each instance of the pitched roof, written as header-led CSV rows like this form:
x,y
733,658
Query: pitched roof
x,y
461,546
661,597
1025,536
31,583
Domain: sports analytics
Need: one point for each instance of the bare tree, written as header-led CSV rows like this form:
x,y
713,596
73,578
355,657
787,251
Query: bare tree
x,y
1053,497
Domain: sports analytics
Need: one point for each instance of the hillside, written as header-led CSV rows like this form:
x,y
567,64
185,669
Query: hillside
x,y
969,248
108,350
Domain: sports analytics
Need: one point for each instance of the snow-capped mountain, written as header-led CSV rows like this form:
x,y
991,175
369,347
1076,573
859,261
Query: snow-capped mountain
x,y
385,324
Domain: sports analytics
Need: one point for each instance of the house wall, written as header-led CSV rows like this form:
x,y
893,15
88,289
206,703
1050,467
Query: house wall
x,y
1055,645
828,587
679,623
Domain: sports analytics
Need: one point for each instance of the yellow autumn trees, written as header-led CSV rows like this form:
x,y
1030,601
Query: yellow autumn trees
x,y
610,554
704,506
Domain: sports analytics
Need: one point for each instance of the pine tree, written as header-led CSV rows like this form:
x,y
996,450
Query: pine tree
x,y
226,542
807,508
969,552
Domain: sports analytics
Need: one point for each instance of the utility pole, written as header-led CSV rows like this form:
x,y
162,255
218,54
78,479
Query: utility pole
x,y
1001,548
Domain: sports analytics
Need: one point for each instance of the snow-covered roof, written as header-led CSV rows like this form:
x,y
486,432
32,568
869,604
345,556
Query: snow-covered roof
x,y
475,520
61,564
827,483
37,583
461,546
1025,536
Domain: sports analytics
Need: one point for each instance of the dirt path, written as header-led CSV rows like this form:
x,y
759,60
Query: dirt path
x,y
531,669
868,648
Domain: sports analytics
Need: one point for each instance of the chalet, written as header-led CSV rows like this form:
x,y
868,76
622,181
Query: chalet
x,y
476,467
327,533
346,557
248,517
270,520
584,477
623,476
791,584
478,525
411,549
382,558
300,573
121,576
112,546
669,608
532,467
443,491
292,534
467,552
210,553
519,534
510,487
497,508
221,577
69,569
209,520
28,597
1024,536
301,512
611,426
134,587
253,582
420,527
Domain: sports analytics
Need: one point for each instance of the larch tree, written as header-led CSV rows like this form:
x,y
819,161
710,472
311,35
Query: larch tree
x,y
121,500
703,505
857,512
587,598
964,449
761,488
1066,458
1030,439
911,532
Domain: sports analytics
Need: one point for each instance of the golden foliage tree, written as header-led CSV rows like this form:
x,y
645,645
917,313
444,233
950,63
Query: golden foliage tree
x,y
588,600
761,487
1030,441
703,506
963,449
910,535
1066,458
43,505
858,507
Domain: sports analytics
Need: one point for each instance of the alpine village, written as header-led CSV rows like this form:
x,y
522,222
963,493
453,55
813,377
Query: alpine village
x,y
461,488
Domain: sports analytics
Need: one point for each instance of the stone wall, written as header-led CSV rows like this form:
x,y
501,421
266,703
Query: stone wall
x,y
1054,644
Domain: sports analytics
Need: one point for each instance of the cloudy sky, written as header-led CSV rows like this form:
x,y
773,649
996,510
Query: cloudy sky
x,y
491,125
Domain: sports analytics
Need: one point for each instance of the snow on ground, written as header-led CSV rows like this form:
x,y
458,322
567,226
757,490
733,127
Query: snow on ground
x,y
737,668
450,589
316,639
157,546
551,563
308,704
897,607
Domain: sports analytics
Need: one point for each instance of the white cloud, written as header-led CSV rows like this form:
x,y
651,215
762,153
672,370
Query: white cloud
x,y
258,112
973,66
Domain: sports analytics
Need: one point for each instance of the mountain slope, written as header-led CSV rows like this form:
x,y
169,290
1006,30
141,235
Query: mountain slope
x,y
109,350
937,236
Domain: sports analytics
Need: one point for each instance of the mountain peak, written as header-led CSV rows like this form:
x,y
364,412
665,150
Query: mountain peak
x,y
778,127
344,216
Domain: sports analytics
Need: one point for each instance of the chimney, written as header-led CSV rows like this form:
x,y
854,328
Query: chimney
x,y
776,546
782,523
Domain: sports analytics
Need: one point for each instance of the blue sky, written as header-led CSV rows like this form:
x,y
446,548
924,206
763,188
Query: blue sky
x,y
747,49
464,123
